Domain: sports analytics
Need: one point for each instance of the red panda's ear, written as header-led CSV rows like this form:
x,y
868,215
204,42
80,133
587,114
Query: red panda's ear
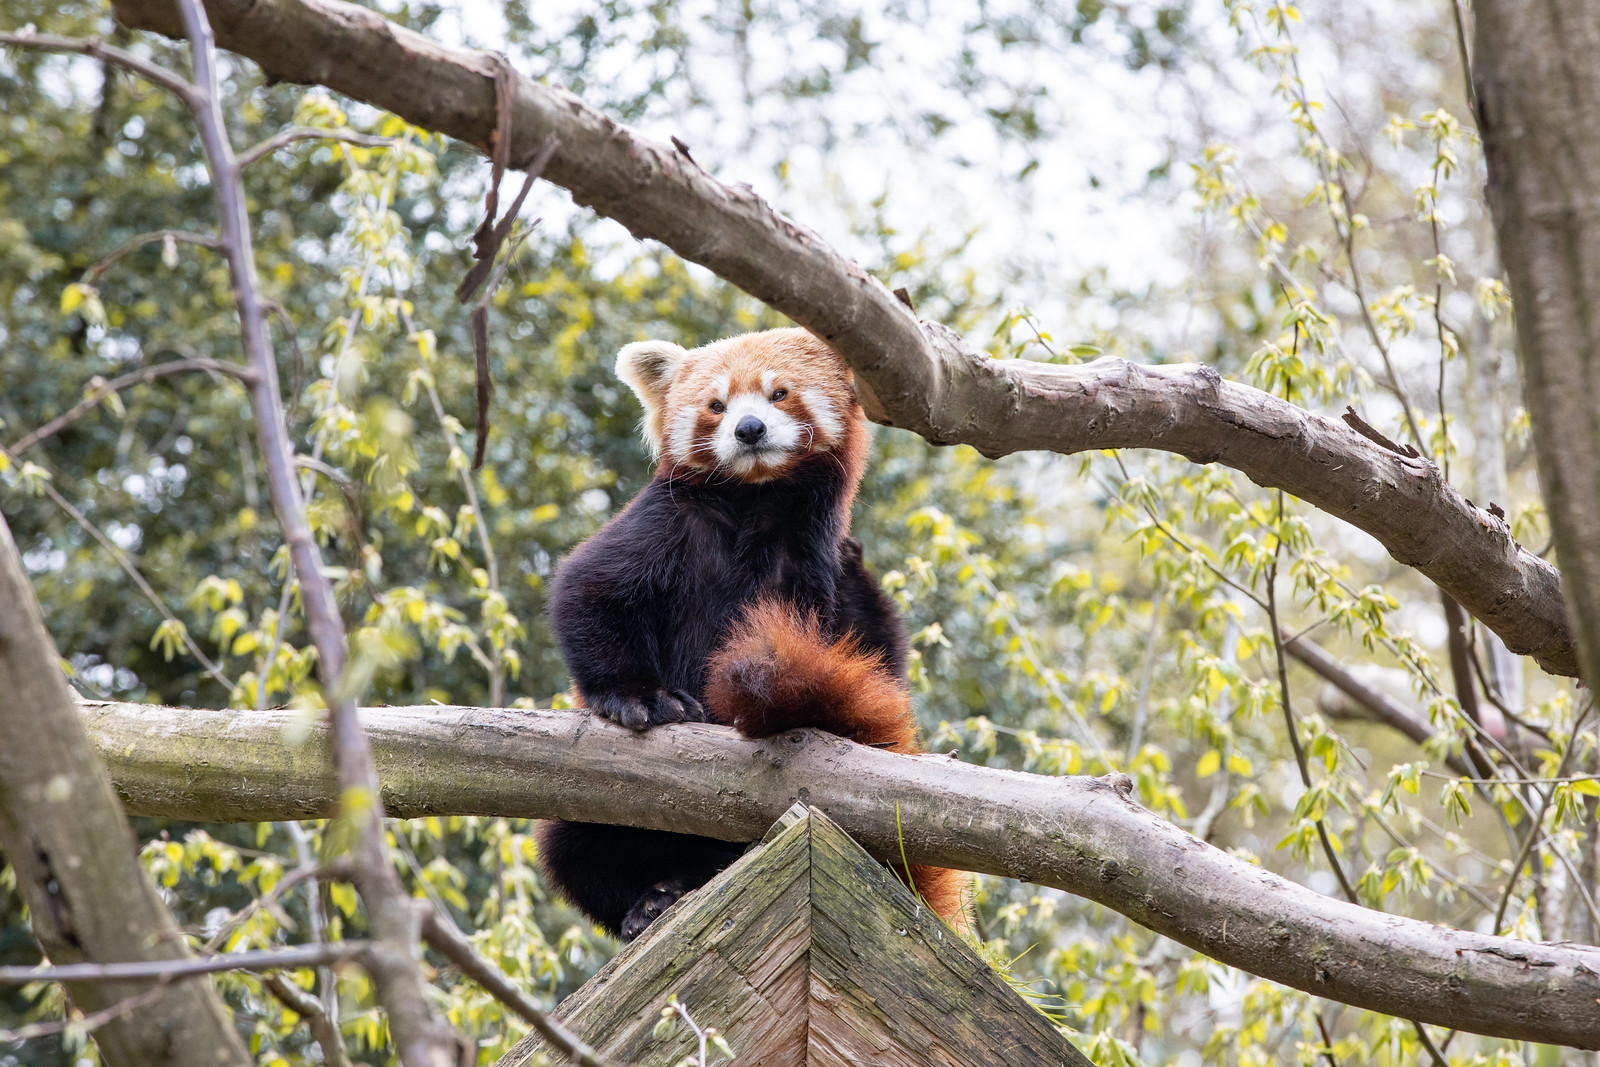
x,y
648,367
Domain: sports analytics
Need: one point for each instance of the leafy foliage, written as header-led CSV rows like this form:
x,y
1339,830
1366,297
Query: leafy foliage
x,y
1070,616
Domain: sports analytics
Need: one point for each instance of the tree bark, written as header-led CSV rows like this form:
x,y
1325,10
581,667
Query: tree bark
x,y
1538,90
1083,835
918,376
68,841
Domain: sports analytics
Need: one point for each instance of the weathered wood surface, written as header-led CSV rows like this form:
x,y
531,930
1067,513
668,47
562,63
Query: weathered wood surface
x,y
805,953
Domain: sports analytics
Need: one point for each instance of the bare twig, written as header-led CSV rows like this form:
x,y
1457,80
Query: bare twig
x,y
290,334
133,244
93,46
87,1023
324,1029
444,938
1332,174
1271,582
128,568
480,522
420,1037
1536,822
100,390
1300,759
1327,1041
1441,331
284,138
257,960
1458,626
1380,704
488,240
337,868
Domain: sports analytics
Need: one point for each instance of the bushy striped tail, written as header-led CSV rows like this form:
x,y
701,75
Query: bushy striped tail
x,y
778,671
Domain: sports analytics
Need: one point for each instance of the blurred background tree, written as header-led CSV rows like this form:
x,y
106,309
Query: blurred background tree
x,y
1292,197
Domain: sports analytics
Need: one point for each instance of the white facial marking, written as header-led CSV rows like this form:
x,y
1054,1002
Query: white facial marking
x,y
823,413
720,384
768,379
783,434
680,435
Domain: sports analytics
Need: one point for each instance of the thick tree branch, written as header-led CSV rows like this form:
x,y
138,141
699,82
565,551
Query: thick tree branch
x,y
1082,835
67,840
919,376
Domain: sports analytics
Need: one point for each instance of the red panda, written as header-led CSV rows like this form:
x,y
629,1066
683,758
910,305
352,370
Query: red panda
x,y
729,591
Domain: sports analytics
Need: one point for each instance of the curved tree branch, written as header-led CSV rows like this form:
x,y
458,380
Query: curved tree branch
x,y
918,376
1079,834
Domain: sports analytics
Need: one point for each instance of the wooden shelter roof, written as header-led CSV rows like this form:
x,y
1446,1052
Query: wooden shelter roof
x,y
808,953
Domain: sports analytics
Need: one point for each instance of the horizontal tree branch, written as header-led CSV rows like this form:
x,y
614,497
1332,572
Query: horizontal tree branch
x,y
138,241
86,1023
919,376
97,49
1082,835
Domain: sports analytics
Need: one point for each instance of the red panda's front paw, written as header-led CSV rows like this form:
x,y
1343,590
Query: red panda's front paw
x,y
642,709
622,708
676,705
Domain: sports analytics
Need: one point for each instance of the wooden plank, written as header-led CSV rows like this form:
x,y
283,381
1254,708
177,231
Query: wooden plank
x,y
808,952
892,985
733,952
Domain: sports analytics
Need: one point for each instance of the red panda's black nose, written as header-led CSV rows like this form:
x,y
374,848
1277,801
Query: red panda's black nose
x,y
750,430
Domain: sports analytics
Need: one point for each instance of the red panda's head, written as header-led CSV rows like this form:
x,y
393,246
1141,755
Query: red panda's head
x,y
752,407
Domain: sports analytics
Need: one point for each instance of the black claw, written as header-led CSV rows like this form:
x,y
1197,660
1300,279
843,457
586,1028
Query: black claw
x,y
621,709
693,710
666,709
635,716
657,707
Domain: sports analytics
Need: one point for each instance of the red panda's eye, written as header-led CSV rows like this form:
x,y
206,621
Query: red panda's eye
x,y
779,395
718,406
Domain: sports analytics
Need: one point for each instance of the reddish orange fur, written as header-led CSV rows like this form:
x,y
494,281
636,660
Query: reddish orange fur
x,y
777,671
